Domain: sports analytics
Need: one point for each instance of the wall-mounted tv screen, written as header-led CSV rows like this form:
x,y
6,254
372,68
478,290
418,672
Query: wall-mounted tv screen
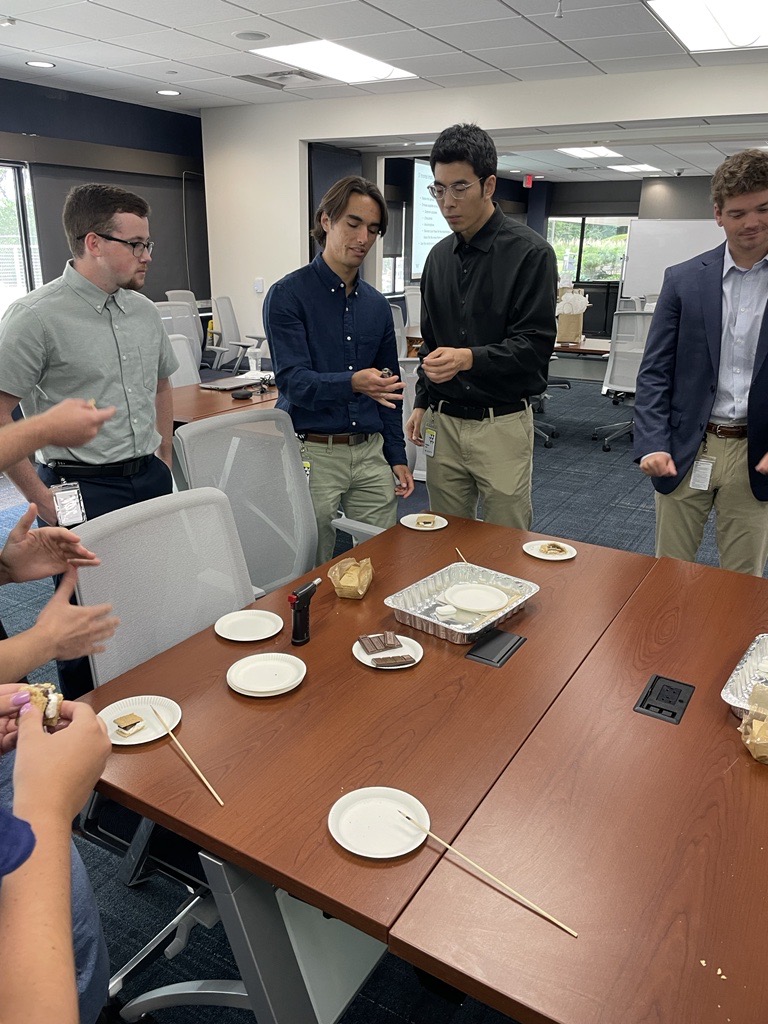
x,y
429,225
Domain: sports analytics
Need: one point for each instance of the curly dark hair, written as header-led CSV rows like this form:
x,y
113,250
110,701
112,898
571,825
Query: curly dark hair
x,y
465,143
335,200
741,173
93,207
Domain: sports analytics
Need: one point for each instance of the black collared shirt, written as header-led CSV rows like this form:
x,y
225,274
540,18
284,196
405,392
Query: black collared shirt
x,y
495,294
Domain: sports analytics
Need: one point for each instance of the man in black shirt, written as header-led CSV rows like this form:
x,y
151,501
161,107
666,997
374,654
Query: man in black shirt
x,y
488,296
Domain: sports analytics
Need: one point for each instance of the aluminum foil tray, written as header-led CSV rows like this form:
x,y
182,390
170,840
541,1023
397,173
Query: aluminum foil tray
x,y
415,605
738,687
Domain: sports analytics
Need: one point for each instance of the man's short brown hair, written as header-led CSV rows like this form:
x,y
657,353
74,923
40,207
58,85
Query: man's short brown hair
x,y
741,173
93,208
335,200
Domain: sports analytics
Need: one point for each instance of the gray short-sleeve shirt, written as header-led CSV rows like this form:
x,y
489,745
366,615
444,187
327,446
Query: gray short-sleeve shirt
x,y
69,339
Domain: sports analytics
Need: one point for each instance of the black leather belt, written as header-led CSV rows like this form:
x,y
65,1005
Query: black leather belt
x,y
84,469
727,429
476,412
350,439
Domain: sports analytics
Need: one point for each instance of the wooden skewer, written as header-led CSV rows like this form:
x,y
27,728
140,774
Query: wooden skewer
x,y
461,556
186,756
513,892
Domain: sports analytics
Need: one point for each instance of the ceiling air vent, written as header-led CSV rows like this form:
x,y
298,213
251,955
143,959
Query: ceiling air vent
x,y
280,79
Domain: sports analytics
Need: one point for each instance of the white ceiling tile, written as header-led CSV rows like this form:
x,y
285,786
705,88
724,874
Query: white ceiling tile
x,y
544,7
234,63
623,19
24,36
172,45
224,32
173,13
442,64
627,65
481,35
103,55
339,21
665,122
277,6
101,22
391,46
400,85
97,77
724,58
16,8
532,55
326,92
247,91
471,79
649,44
168,72
430,13
579,69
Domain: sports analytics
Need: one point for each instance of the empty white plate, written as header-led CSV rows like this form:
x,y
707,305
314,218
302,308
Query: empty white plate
x,y
250,624
410,522
407,646
266,675
368,822
476,597
534,547
142,706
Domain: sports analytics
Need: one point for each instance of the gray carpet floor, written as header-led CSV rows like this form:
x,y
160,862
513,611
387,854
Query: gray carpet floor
x,y
580,493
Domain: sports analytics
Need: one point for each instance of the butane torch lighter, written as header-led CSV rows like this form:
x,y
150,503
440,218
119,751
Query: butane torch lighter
x,y
299,602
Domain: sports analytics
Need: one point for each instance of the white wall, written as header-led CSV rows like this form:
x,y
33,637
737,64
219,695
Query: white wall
x,y
256,160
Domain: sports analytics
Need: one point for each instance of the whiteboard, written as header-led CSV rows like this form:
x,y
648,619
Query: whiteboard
x,y
654,245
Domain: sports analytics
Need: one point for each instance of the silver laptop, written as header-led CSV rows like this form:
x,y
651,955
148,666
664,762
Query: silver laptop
x,y
242,380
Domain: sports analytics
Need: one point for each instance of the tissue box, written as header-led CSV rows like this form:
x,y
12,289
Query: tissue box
x,y
570,327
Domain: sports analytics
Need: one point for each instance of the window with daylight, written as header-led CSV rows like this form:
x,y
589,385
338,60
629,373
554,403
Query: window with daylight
x,y
589,248
19,253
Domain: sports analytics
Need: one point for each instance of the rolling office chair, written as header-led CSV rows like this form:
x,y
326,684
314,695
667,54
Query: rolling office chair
x,y
628,336
218,350
231,339
186,352
184,543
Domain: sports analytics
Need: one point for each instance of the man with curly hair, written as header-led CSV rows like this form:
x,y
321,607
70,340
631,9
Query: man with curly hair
x,y
701,414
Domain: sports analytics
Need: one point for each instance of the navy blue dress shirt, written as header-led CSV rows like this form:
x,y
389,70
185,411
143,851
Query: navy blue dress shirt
x,y
318,337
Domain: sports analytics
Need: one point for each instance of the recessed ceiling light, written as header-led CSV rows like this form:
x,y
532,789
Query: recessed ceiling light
x,y
40,64
538,175
168,92
715,24
333,61
251,37
589,152
632,168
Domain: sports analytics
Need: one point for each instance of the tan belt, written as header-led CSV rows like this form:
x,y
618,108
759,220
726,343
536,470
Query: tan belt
x,y
726,430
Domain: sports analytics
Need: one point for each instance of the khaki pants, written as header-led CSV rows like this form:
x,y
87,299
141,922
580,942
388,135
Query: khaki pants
x,y
490,459
741,520
357,479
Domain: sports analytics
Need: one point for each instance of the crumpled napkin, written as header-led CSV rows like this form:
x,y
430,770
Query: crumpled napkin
x,y
572,302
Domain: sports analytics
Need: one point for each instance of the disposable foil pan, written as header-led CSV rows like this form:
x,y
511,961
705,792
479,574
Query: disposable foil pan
x,y
415,605
738,687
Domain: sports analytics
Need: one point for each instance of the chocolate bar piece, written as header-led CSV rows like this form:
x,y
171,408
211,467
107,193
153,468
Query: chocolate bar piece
x,y
374,643
394,659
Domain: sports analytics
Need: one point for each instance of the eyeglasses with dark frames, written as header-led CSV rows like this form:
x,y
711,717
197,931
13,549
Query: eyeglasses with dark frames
x,y
138,248
458,191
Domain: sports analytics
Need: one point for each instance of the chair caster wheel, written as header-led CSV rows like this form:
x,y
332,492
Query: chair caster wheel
x,y
606,447
555,433
631,436
594,437
548,444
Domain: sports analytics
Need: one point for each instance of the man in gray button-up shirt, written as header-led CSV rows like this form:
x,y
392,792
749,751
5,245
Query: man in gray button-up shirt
x,y
90,334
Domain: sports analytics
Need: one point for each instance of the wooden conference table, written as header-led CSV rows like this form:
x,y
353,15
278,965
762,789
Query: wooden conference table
x,y
191,402
649,839
443,730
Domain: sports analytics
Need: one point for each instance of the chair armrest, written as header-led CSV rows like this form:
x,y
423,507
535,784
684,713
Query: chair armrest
x,y
358,531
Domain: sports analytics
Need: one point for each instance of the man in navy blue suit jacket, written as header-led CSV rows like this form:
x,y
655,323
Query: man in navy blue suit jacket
x,y
701,414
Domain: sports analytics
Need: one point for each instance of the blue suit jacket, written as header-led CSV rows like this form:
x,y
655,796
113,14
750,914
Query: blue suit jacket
x,y
677,381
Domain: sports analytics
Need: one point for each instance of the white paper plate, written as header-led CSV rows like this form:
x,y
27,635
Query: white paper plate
x,y
407,646
266,675
410,522
476,597
368,822
250,624
152,730
533,547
